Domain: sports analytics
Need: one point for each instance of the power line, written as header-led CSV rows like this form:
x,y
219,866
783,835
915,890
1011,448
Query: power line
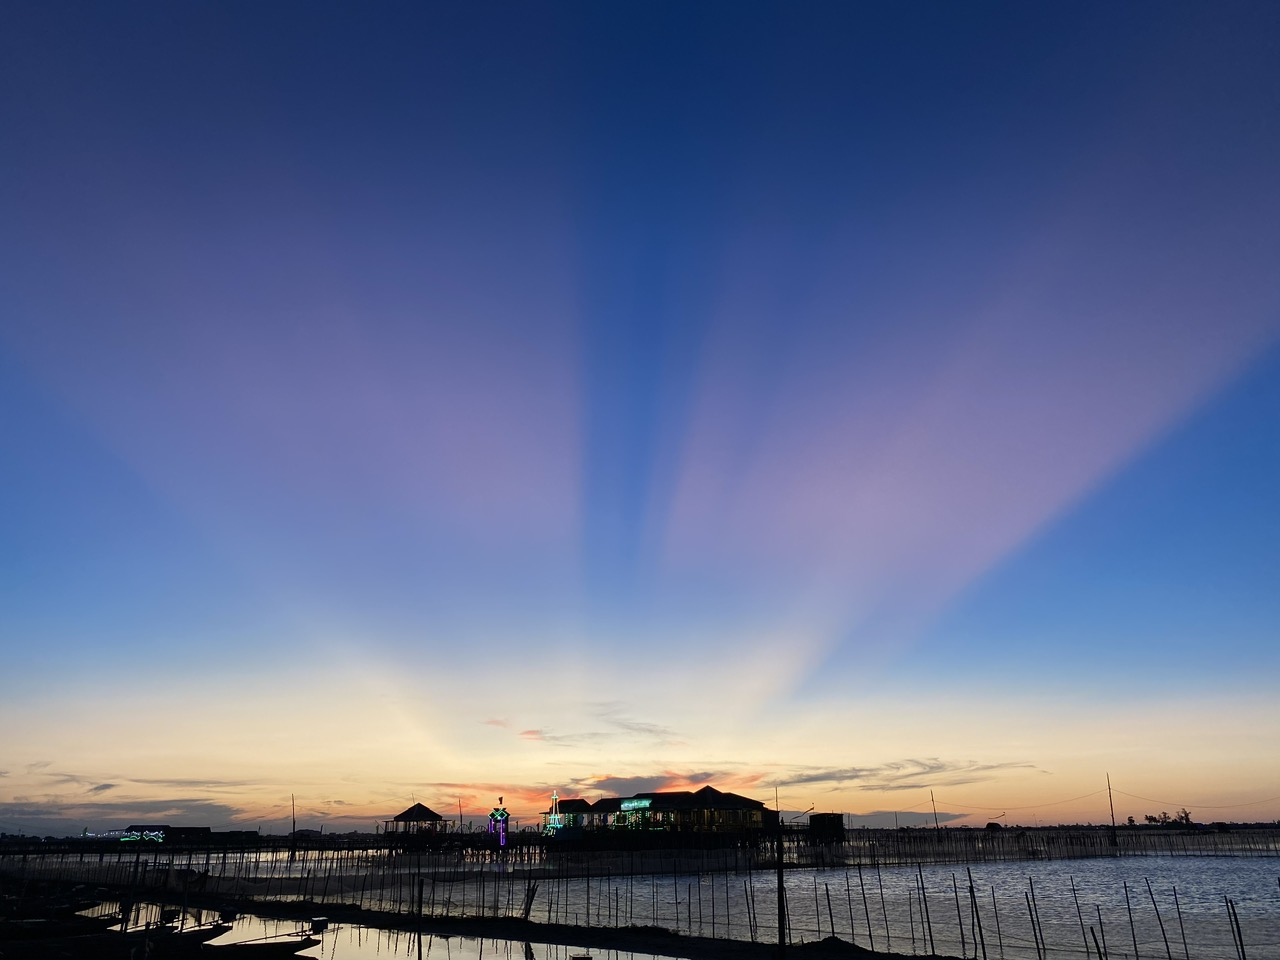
x,y
1034,806
1202,806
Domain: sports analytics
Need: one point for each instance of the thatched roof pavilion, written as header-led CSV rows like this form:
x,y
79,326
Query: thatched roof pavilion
x,y
417,819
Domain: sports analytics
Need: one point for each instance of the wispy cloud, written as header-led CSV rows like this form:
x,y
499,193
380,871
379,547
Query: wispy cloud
x,y
566,739
616,726
190,782
910,774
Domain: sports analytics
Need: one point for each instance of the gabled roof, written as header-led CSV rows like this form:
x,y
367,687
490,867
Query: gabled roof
x,y
711,797
708,798
575,805
417,814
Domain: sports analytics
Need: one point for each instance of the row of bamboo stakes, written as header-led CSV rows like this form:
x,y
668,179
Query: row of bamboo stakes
x,y
700,900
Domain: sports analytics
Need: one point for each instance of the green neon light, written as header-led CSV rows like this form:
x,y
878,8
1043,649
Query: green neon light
x,y
636,804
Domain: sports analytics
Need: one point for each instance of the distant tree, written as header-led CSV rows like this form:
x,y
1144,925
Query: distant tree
x,y
1183,817
1130,822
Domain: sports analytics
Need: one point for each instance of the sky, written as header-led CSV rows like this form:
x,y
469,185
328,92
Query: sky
x,y
856,406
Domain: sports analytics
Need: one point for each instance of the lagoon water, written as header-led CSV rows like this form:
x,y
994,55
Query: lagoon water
x,y
1073,901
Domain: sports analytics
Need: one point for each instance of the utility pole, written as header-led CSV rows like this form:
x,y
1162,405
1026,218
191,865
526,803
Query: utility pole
x,y
935,811
1111,801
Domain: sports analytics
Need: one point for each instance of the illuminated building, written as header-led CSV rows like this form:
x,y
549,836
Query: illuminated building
x,y
705,810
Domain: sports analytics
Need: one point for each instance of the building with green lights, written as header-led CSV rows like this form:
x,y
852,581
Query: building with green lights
x,y
700,811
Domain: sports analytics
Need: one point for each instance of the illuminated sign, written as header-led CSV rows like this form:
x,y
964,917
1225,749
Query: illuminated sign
x,y
154,835
498,822
642,804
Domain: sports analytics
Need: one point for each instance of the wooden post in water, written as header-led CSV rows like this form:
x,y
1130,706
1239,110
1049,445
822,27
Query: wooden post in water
x,y
995,908
866,910
713,906
1178,907
964,950
1132,930
884,913
848,897
817,910
419,917
1235,919
977,918
924,906
1235,941
1031,914
1079,916
911,921
1159,919
1035,907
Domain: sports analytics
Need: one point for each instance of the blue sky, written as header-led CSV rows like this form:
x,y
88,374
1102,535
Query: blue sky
x,y
615,394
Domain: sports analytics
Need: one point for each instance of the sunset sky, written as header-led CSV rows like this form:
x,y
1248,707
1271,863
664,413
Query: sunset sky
x,y
443,401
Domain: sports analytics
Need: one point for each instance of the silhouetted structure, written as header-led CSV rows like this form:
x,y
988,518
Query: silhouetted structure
x,y
417,819
826,828
702,811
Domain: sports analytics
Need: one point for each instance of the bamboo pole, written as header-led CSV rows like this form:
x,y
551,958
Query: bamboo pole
x,y
1160,920
1079,915
977,918
1035,937
1132,930
866,911
995,908
964,950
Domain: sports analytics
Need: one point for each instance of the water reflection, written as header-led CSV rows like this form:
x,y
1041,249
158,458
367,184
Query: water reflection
x,y
350,942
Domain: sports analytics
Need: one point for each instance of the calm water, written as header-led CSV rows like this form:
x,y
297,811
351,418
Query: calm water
x,y
885,909
361,943
905,910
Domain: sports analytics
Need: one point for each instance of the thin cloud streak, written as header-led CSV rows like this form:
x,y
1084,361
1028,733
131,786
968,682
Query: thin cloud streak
x,y
908,774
